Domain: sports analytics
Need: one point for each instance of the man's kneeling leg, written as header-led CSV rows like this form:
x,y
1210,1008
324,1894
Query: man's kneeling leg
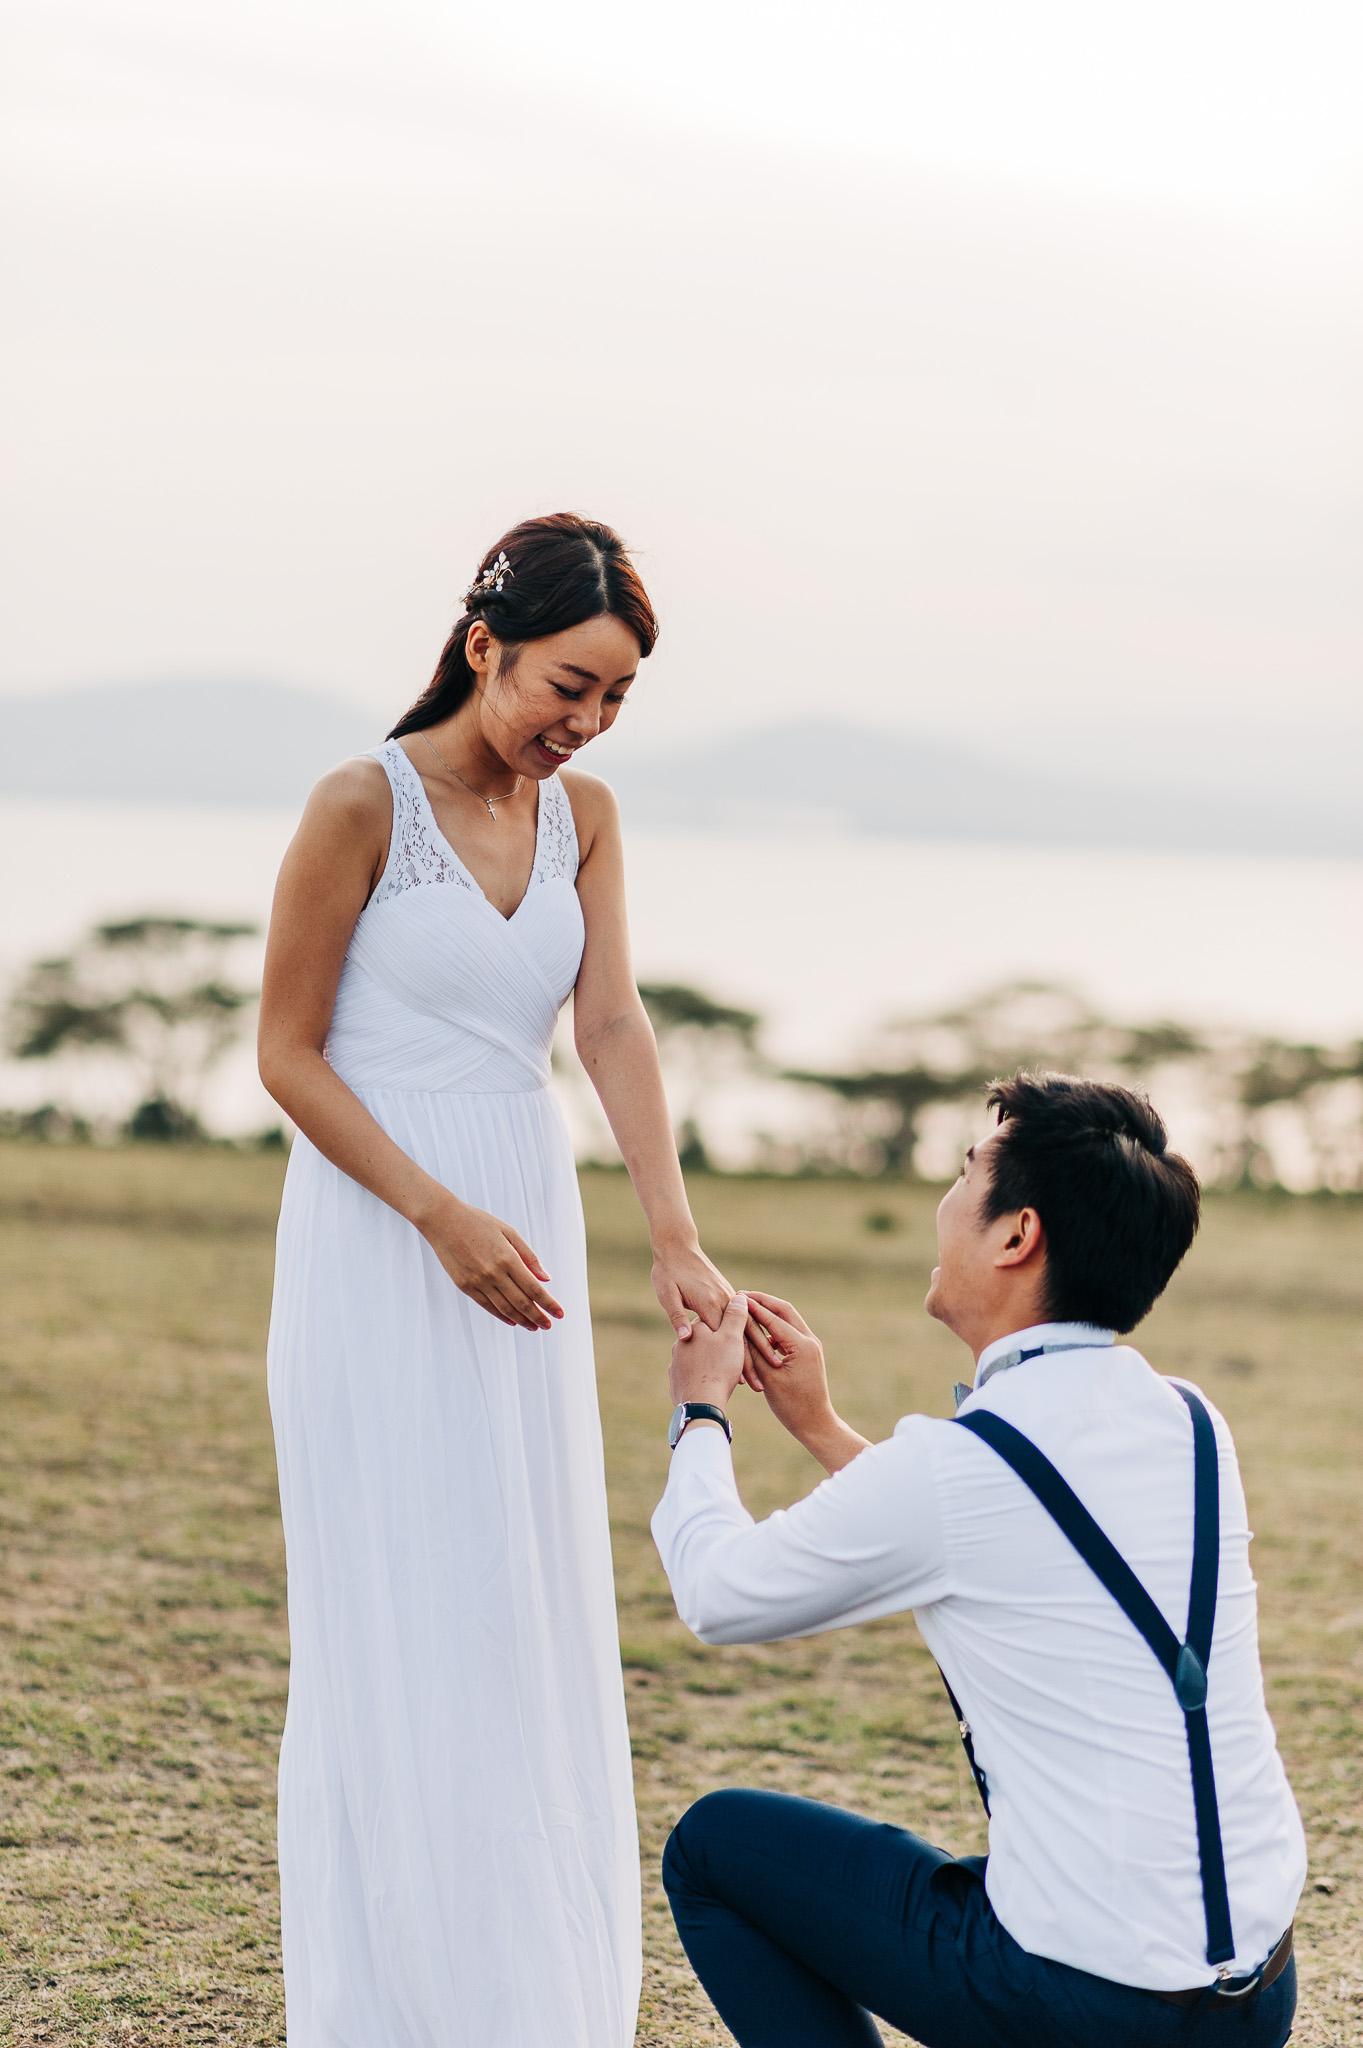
x,y
793,1913
801,1921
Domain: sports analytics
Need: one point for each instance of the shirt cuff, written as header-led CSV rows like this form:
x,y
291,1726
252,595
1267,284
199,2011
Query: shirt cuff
x,y
714,1445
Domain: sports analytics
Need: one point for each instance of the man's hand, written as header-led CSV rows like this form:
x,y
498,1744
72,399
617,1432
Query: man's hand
x,y
786,1358
708,1365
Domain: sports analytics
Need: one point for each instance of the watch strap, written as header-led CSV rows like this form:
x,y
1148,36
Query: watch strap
x,y
701,1411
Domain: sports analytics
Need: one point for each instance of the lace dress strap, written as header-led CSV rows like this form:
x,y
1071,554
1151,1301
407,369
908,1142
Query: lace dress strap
x,y
416,852
556,853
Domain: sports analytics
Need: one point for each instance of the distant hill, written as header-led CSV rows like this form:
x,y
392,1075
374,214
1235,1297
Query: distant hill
x,y
244,742
177,742
902,785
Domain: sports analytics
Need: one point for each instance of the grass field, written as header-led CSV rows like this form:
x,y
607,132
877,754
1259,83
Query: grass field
x,y
143,1651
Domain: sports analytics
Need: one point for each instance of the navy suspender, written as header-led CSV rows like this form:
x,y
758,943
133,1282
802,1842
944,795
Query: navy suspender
x,y
1184,1663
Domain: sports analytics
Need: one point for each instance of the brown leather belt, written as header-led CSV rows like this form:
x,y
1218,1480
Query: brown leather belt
x,y
1236,1988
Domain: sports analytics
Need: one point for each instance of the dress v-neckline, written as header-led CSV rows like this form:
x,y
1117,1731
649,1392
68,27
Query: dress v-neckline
x,y
507,917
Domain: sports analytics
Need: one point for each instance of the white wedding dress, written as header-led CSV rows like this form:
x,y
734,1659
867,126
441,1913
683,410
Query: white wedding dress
x,y
457,1849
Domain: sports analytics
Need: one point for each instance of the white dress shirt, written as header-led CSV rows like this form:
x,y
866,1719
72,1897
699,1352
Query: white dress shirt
x,y
1092,1841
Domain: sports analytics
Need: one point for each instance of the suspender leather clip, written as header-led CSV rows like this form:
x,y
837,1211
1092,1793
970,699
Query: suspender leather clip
x,y
1190,1680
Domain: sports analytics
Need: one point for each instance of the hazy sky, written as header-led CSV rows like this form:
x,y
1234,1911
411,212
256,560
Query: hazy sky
x,y
966,366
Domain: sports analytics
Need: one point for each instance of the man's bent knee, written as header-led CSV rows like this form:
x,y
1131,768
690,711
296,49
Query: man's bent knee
x,y
711,1819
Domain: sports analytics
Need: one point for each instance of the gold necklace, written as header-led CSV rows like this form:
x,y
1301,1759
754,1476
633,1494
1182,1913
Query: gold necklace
x,y
488,800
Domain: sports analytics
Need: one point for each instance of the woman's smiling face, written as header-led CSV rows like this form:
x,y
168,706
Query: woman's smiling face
x,y
561,692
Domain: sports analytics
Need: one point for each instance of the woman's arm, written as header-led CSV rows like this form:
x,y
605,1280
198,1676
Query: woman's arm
x,y
616,1045
328,875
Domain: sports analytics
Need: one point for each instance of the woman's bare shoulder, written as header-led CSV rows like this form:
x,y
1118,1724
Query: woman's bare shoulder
x,y
594,805
353,792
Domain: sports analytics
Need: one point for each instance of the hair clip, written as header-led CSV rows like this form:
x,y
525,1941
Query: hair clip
x,y
491,579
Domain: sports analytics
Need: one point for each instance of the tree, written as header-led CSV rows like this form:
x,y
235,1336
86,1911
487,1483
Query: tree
x,y
951,1056
151,991
673,1008
696,1038
1278,1096
900,1096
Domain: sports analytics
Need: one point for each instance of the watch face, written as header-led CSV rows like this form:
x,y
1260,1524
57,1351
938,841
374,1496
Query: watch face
x,y
676,1425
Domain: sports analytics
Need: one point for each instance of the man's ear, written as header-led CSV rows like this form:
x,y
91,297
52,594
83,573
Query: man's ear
x,y
1024,1239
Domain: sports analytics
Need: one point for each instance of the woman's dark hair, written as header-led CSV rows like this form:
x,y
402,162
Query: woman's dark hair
x,y
1118,1208
558,571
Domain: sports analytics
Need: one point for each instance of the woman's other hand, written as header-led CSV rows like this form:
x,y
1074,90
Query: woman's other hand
x,y
491,1263
687,1284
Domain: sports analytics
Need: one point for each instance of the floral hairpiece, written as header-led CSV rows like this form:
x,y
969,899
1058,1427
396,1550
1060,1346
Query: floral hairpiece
x,y
491,579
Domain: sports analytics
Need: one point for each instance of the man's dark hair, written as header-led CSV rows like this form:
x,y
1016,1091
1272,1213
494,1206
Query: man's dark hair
x,y
1118,1208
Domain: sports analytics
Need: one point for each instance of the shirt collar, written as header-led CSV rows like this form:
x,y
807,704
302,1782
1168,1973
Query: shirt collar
x,y
1006,1352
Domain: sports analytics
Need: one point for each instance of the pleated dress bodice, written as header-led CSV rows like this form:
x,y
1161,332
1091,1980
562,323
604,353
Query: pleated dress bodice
x,y
439,991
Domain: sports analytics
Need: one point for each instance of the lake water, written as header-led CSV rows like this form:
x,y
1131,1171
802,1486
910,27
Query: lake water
x,y
826,935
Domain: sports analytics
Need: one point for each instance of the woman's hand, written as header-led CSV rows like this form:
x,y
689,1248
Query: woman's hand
x,y
492,1264
687,1284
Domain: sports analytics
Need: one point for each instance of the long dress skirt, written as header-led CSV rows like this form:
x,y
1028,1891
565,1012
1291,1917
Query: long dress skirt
x,y
457,1842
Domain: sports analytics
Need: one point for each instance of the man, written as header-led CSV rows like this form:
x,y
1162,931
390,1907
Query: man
x,y
1145,1853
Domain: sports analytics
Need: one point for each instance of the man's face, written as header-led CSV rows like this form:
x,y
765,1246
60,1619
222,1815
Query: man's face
x,y
964,1280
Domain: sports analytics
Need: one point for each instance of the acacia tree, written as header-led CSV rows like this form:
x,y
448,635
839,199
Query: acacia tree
x,y
153,992
697,1038
951,1056
896,1099
1318,1087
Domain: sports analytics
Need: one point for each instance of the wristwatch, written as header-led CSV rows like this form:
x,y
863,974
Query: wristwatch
x,y
696,1411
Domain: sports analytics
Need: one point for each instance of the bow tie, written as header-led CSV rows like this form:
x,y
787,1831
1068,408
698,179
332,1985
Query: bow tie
x,y
1009,1359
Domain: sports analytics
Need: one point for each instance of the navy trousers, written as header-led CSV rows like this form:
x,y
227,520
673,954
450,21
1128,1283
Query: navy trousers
x,y
801,1921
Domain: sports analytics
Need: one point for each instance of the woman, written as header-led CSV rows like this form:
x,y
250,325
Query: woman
x,y
457,1849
